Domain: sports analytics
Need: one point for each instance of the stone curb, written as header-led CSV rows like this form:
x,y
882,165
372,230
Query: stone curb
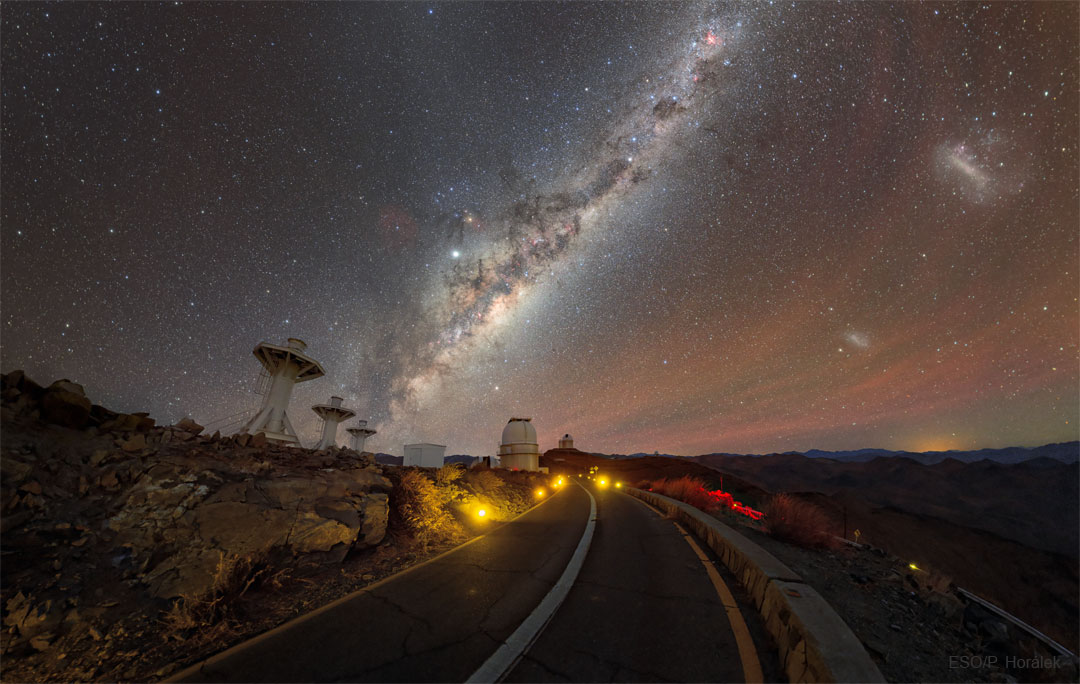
x,y
814,642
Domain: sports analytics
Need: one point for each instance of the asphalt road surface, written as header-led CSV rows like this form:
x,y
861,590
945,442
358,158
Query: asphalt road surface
x,y
643,609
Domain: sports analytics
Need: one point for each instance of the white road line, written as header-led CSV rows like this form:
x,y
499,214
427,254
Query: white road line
x,y
507,655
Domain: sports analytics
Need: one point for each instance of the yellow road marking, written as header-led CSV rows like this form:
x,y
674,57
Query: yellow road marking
x,y
747,653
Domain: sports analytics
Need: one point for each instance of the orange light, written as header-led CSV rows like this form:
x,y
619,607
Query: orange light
x,y
539,492
618,484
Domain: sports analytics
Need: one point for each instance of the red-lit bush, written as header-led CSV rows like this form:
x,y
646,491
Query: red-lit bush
x,y
692,491
798,521
685,488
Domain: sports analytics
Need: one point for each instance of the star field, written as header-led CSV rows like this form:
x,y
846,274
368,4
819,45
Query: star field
x,y
684,227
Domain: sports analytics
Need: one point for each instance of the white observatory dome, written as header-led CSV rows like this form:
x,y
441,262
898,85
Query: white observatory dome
x,y
519,449
519,431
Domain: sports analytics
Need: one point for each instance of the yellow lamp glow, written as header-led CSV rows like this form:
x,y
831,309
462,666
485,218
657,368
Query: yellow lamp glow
x,y
481,512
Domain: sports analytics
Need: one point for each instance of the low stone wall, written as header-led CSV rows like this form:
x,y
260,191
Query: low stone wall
x,y
815,644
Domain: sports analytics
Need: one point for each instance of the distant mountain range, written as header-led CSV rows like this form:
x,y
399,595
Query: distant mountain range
x,y
387,459
1032,501
1065,452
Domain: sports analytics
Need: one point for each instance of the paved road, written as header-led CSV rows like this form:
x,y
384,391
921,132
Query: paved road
x,y
435,623
643,609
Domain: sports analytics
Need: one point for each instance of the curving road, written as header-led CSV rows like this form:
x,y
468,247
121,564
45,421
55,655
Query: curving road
x,y
643,608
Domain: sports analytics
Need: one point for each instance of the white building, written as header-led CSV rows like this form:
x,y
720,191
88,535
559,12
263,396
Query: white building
x,y
567,442
424,455
519,449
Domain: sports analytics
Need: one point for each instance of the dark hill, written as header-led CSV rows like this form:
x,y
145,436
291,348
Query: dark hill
x,y
1034,502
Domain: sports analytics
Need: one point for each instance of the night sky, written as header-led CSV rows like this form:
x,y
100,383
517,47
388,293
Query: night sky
x,y
680,227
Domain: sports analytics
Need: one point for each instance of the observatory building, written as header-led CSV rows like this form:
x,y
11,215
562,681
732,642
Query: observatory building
x,y
360,433
519,449
567,442
424,455
332,414
283,367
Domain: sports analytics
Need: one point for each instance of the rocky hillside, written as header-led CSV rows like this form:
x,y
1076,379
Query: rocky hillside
x,y
1006,532
1033,502
122,540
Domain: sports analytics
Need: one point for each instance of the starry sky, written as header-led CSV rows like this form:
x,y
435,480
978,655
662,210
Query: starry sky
x,y
676,227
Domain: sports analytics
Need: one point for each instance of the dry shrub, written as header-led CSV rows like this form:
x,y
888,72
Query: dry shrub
x,y
687,489
449,474
420,507
797,521
485,483
448,481
214,614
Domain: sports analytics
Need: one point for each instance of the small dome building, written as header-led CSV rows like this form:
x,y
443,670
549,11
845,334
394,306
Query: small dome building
x,y
567,442
519,449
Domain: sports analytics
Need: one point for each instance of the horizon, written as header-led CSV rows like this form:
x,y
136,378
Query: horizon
x,y
722,228
645,454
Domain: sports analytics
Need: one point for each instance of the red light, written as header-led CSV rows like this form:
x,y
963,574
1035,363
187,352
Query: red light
x,y
711,38
725,500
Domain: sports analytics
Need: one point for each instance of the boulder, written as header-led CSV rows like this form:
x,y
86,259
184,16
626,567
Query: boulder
x,y
109,480
189,574
31,618
375,512
312,532
136,442
100,414
14,471
344,512
287,493
65,403
241,528
364,480
13,380
130,422
189,425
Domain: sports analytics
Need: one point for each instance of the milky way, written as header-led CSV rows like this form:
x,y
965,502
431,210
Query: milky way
x,y
681,227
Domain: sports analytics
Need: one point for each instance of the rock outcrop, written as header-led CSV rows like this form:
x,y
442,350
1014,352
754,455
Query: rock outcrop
x,y
105,512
